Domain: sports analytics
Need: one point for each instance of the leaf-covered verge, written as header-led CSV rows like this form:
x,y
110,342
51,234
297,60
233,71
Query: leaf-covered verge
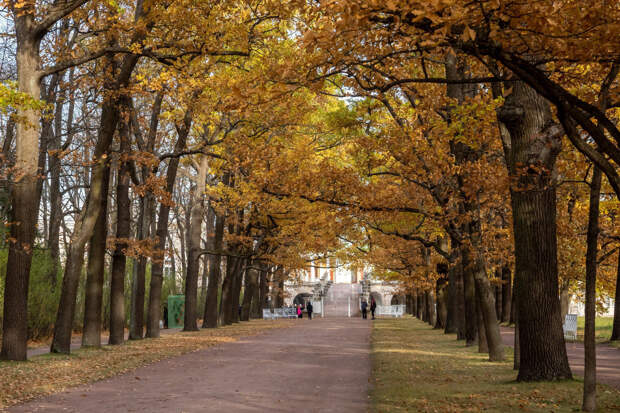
x,y
418,369
51,373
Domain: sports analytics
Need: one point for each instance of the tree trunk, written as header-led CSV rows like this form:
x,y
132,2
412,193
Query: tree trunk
x,y
251,281
193,259
483,343
442,308
147,208
236,292
589,338
498,298
535,141
263,289
123,228
506,294
469,291
564,299
157,267
215,260
24,200
93,299
84,228
615,333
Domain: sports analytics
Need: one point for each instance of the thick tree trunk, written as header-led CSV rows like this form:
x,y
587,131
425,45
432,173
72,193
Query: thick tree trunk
x,y
123,228
442,308
24,200
531,156
506,294
157,267
236,293
193,259
589,338
93,299
414,303
469,296
615,333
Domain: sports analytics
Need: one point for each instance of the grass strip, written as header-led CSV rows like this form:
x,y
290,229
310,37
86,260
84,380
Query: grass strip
x,y
418,369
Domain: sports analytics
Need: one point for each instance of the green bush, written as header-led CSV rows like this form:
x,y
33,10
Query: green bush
x,y
43,297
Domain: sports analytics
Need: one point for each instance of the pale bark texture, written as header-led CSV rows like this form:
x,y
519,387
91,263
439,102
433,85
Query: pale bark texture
x,y
193,259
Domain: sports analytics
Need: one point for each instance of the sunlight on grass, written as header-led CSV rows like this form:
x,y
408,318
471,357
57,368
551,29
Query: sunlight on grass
x,y
418,369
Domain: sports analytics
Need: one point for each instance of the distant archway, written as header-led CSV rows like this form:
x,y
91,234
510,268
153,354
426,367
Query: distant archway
x,y
377,297
302,299
397,300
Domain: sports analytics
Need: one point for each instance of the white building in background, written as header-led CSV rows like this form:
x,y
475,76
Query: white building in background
x,y
340,288
578,307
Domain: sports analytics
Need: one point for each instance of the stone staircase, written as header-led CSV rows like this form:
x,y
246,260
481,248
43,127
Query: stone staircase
x,y
336,301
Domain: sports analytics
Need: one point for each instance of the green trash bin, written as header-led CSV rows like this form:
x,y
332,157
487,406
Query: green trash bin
x,y
176,311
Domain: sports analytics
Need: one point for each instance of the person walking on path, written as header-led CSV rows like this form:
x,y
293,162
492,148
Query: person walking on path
x,y
373,307
309,308
364,309
300,314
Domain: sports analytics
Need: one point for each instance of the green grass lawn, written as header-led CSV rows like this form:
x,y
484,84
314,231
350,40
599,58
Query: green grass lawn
x,y
418,369
603,328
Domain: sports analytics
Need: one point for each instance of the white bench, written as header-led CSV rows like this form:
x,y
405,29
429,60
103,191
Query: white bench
x,y
390,310
570,326
285,312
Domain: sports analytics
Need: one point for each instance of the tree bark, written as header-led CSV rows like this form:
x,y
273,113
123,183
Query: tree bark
x,y
264,289
24,200
589,339
123,228
442,308
157,266
535,141
251,281
506,294
483,343
93,299
469,297
193,259
147,208
215,241
615,333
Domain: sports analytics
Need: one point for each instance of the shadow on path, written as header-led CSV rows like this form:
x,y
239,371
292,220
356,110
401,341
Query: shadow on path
x,y
321,365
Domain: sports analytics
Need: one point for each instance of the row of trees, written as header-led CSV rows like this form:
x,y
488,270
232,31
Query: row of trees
x,y
427,140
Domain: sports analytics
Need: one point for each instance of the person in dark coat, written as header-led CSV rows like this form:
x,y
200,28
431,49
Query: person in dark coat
x,y
364,309
373,307
309,309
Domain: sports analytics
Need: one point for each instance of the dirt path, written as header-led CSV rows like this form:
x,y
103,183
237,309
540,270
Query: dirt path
x,y
607,358
321,365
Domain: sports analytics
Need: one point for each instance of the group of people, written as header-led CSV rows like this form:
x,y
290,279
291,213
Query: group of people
x,y
373,307
308,308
